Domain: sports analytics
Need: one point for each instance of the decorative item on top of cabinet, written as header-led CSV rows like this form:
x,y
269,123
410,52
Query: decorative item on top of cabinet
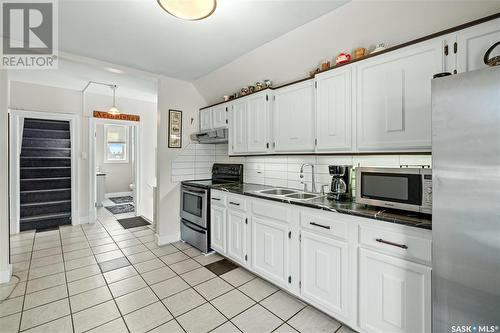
x,y
359,52
493,61
379,47
393,98
342,58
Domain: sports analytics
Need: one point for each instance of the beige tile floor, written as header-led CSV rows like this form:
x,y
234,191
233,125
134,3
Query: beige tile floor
x,y
155,289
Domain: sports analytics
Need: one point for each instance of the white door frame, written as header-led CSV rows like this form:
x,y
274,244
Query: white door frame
x,y
15,136
136,125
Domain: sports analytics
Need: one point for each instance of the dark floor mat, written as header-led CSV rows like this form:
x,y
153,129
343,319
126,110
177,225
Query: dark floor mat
x,y
222,266
121,200
133,222
121,209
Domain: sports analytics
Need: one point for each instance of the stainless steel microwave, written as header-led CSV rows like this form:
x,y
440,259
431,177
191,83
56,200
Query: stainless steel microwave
x,y
399,188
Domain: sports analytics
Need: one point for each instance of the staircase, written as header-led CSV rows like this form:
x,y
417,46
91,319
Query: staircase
x,y
45,174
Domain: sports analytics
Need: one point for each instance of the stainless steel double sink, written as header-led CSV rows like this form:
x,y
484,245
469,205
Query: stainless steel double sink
x,y
289,194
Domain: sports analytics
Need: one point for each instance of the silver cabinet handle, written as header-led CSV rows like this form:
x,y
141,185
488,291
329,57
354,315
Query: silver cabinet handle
x,y
234,203
216,199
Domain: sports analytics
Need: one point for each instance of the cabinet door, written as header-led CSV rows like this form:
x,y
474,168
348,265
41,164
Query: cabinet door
x,y
258,123
205,119
219,116
238,128
394,294
324,279
333,110
218,229
270,250
473,43
236,236
394,98
293,118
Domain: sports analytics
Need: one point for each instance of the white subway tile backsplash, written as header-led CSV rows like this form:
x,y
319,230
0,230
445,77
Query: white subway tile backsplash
x,y
196,161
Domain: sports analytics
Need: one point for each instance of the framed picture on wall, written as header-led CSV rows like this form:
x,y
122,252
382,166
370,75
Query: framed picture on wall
x,y
174,129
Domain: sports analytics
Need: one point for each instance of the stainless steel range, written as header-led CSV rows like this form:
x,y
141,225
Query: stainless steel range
x,y
195,203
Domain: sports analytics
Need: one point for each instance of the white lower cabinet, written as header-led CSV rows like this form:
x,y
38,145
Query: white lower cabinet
x,y
237,236
270,250
331,260
218,228
394,294
324,273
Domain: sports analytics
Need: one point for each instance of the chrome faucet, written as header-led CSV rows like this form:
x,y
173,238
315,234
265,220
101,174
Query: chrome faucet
x,y
312,175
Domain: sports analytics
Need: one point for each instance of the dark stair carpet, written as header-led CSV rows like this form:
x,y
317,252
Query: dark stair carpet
x,y
45,170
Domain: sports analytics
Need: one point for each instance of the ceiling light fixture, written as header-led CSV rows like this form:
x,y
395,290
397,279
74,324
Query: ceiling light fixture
x,y
190,10
113,110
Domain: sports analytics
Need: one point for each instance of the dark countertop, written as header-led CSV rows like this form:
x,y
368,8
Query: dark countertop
x,y
423,221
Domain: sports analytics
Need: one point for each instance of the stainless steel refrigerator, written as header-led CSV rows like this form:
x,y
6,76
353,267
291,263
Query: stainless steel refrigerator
x,y
466,202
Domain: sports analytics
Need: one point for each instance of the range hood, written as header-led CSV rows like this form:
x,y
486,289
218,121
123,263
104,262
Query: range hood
x,y
211,136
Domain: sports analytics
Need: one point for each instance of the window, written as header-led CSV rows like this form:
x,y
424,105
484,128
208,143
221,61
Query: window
x,y
115,144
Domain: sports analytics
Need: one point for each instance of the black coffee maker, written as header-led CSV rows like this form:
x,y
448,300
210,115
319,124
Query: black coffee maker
x,y
340,189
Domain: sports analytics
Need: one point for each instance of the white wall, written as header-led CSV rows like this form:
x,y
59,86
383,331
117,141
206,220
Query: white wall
x,y
5,268
118,175
178,95
356,24
35,97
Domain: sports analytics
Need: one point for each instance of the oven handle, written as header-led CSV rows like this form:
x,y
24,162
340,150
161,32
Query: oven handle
x,y
198,194
193,190
200,231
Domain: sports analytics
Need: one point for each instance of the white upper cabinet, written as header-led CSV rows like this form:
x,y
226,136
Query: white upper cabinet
x,y
205,119
333,110
473,43
249,125
293,118
238,141
393,102
258,123
219,116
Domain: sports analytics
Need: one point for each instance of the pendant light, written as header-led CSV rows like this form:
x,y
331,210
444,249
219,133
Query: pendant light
x,y
190,10
114,110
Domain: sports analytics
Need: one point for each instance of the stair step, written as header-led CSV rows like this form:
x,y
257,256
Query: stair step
x,y
44,221
46,133
45,161
46,124
45,172
46,143
45,152
45,208
44,196
30,184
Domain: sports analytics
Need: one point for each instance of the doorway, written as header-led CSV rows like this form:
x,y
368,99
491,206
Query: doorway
x,y
43,170
116,179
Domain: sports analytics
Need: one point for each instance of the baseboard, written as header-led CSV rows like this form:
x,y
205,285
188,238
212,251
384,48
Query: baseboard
x,y
118,194
6,274
167,239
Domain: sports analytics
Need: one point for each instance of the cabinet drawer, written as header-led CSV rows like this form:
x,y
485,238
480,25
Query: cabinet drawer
x,y
399,243
323,223
218,199
237,202
270,209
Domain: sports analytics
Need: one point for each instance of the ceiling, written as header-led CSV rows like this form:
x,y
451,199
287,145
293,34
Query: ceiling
x,y
139,34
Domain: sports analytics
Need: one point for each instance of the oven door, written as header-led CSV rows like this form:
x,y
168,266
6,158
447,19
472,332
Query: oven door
x,y
194,205
388,187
